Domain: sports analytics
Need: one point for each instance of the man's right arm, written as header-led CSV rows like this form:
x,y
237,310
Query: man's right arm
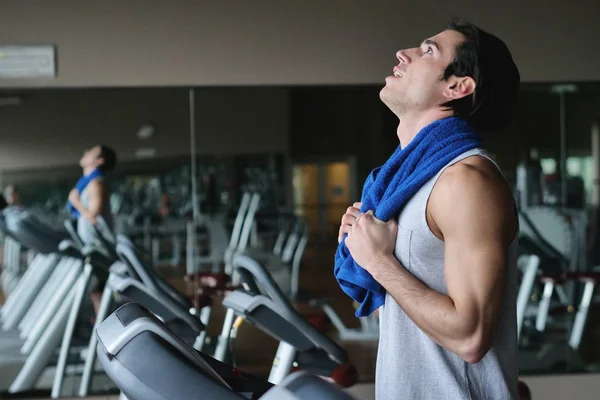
x,y
75,200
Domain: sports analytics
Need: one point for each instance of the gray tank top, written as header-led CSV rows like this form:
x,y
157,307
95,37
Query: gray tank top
x,y
412,366
85,229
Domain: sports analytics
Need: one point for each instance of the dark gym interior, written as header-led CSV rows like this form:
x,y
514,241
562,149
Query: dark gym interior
x,y
243,131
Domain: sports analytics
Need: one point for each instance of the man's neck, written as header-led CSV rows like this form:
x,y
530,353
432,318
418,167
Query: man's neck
x,y
410,125
88,170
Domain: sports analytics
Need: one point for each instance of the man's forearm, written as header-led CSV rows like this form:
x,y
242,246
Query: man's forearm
x,y
434,313
76,203
89,214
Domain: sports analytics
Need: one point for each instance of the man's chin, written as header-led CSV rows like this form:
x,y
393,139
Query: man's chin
x,y
386,95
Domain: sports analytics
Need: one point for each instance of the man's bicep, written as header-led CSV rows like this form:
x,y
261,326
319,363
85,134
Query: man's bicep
x,y
475,254
475,274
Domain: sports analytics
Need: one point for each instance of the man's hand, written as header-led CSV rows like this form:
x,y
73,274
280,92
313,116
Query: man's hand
x,y
74,198
348,220
371,241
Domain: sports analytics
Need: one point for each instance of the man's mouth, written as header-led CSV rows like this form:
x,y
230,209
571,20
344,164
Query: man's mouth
x,y
397,72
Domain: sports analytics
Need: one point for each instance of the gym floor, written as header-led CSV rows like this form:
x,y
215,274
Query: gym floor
x,y
255,350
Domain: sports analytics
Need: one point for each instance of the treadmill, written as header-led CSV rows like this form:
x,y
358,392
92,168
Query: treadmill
x,y
32,302
147,361
263,304
131,280
41,314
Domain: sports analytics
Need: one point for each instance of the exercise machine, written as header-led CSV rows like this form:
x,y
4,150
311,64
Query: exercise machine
x,y
41,314
131,279
265,306
148,362
555,273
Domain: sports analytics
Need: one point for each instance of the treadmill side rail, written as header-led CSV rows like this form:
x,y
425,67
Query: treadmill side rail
x,y
130,320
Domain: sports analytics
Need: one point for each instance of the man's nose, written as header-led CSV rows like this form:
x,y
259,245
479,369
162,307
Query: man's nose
x,y
403,57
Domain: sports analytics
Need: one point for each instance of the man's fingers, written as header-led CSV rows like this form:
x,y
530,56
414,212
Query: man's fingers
x,y
353,211
358,218
358,205
348,219
344,229
368,215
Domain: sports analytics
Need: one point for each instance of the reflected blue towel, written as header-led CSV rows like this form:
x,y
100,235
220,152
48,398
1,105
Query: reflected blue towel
x,y
80,186
389,187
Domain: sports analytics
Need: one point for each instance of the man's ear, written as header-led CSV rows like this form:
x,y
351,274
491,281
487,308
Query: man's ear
x,y
459,87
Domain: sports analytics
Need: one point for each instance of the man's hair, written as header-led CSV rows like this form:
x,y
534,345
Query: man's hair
x,y
487,60
110,158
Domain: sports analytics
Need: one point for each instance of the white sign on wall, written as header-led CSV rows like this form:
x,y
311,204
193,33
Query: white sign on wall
x,y
38,61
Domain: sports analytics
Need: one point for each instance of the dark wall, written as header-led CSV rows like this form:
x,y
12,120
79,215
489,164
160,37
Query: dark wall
x,y
330,121
349,121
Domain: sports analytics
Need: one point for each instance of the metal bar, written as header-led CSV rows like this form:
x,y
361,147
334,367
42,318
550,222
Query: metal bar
x,y
82,289
527,283
582,314
90,360
544,307
283,363
194,171
563,149
44,349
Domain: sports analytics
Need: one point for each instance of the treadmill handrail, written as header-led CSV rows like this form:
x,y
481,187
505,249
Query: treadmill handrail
x,y
73,233
248,304
129,254
114,335
89,250
542,240
68,245
257,272
108,243
121,284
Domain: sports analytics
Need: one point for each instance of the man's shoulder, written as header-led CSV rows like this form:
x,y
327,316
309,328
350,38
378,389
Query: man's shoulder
x,y
470,176
96,184
472,189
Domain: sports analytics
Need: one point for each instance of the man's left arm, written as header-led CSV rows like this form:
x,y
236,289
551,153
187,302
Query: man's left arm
x,y
474,229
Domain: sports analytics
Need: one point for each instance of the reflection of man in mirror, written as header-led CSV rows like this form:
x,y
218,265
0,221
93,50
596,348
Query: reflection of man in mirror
x,y
90,197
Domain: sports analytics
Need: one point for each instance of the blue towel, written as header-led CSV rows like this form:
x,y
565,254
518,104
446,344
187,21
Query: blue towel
x,y
80,186
389,187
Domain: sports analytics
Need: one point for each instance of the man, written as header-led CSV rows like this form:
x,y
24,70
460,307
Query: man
x,y
90,198
447,261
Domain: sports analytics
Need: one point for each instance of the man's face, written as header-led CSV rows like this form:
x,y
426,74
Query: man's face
x,y
90,158
416,80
